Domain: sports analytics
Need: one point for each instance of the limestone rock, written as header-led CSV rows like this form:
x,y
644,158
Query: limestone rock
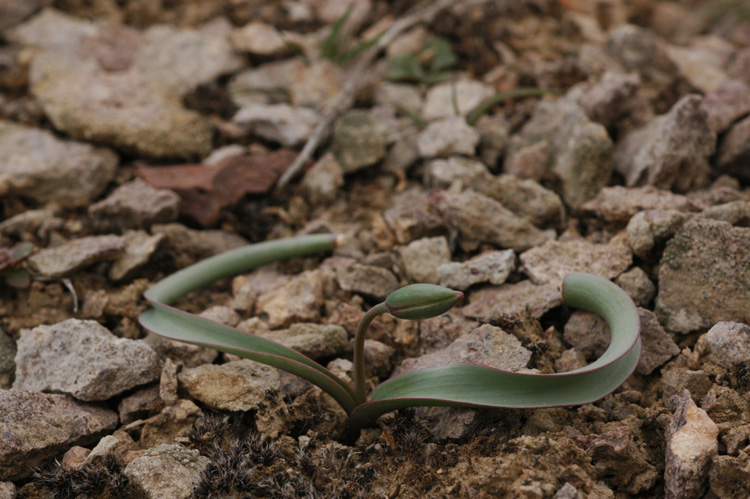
x,y
135,205
60,261
618,204
730,343
481,218
282,123
703,276
552,261
235,386
400,96
443,172
38,426
313,340
447,137
258,38
66,172
360,139
409,216
367,280
692,440
323,180
451,98
422,258
83,359
520,299
298,300
166,471
493,267
487,345
649,229
205,54
671,151
139,247
527,199
637,285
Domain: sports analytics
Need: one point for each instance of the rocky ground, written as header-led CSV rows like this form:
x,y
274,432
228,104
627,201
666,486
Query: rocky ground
x,y
139,137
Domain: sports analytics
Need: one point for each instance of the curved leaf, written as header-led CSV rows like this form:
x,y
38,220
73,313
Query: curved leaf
x,y
182,326
472,385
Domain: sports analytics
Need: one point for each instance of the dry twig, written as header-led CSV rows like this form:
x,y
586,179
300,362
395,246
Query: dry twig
x,y
422,13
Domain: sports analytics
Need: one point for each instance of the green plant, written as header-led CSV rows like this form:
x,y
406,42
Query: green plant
x,y
432,64
456,385
333,46
10,261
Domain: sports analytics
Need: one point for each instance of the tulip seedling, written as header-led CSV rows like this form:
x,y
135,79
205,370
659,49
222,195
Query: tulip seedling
x,y
455,385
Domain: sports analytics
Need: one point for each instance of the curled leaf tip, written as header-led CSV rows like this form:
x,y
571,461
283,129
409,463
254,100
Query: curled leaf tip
x,y
421,301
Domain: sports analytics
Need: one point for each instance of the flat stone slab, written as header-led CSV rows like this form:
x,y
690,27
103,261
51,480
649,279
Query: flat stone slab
x,y
83,359
36,164
703,276
63,260
38,426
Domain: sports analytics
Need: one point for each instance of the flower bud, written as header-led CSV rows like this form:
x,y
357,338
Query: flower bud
x,y
421,301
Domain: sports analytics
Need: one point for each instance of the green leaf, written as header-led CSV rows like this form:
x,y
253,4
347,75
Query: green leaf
x,y
20,251
404,68
444,57
18,278
330,48
471,385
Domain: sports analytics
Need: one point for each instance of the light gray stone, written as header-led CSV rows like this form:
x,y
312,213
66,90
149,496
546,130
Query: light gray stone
x,y
83,359
360,139
671,151
648,229
692,440
527,199
139,247
313,340
257,85
400,96
135,205
37,165
7,489
258,38
552,261
618,204
323,180
298,300
235,386
443,172
282,123
447,137
205,54
422,258
481,218
493,267
730,343
314,85
703,276
367,280
38,426
519,299
637,285
166,471
63,260
452,98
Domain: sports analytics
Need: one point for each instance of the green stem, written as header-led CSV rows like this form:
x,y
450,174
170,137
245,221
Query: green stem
x,y
360,392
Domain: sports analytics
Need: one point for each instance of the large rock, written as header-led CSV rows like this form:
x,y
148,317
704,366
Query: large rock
x,y
205,54
580,151
618,204
83,359
447,137
60,261
481,218
126,110
37,165
730,343
135,205
672,150
703,276
166,471
38,426
422,258
313,340
487,345
692,440
235,386
491,266
454,98
360,139
298,300
552,261
520,299
527,199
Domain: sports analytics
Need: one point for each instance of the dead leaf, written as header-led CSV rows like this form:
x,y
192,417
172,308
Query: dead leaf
x,y
205,189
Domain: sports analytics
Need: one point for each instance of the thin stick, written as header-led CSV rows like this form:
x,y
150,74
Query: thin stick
x,y
422,13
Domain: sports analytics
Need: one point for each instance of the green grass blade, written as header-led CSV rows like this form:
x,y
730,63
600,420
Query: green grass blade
x,y
472,385
176,324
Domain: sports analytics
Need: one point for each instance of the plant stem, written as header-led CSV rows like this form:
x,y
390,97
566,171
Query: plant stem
x,y
360,393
